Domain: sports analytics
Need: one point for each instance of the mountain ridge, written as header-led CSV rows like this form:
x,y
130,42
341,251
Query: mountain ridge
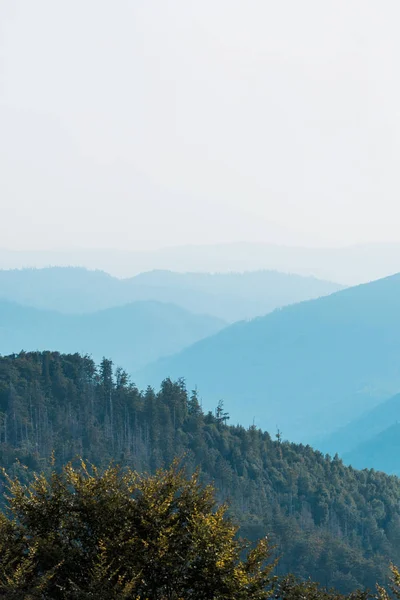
x,y
230,296
137,333
348,265
367,426
380,452
335,356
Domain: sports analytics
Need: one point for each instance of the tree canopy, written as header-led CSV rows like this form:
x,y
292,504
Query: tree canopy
x,y
83,534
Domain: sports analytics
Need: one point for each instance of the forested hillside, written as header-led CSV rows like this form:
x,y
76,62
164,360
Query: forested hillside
x,y
329,521
135,334
308,368
228,296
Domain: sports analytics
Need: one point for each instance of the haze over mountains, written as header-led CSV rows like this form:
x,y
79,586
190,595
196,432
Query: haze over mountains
x,y
227,296
370,441
364,428
381,452
348,265
200,260
134,334
308,368
323,367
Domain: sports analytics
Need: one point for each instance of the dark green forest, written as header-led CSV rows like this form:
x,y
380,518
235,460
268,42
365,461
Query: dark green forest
x,y
339,526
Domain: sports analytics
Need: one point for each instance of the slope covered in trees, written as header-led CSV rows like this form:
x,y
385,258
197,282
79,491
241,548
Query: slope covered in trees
x,y
116,534
136,334
307,368
329,521
229,296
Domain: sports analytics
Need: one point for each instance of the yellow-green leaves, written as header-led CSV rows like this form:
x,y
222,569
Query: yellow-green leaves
x,y
84,534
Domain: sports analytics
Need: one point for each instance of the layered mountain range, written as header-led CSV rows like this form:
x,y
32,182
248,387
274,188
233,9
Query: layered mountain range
x,y
306,369
320,363
228,296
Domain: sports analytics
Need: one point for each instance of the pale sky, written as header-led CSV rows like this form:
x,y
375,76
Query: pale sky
x,y
127,123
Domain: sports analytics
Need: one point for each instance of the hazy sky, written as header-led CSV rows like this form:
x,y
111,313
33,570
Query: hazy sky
x,y
132,123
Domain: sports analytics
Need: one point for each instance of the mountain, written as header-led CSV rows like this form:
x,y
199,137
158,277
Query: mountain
x,y
229,296
134,334
338,525
372,440
64,289
363,429
308,368
381,452
348,265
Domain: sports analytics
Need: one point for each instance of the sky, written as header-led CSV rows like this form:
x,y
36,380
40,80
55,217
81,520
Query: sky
x,y
141,124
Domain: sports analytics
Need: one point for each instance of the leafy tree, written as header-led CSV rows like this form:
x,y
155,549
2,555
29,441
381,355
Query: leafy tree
x,y
395,587
290,588
80,534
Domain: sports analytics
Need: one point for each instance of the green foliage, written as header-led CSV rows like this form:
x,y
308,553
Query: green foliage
x,y
328,522
82,534
290,588
394,587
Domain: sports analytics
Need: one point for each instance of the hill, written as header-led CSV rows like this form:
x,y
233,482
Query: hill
x,y
229,296
363,429
136,333
328,521
381,452
308,368
348,265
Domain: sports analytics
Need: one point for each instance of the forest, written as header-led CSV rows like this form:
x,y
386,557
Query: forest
x,y
337,525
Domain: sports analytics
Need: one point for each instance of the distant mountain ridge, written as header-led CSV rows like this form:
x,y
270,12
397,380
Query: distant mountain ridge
x,y
371,441
381,452
363,429
135,334
348,265
228,296
308,368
